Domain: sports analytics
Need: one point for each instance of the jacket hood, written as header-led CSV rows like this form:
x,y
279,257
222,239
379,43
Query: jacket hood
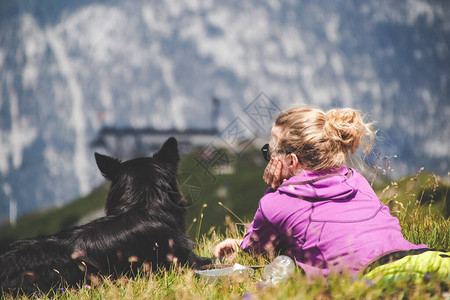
x,y
313,186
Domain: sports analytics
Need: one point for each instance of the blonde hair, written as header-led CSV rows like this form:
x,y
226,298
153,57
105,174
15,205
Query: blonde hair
x,y
323,140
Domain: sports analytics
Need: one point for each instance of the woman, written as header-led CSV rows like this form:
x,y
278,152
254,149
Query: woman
x,y
324,215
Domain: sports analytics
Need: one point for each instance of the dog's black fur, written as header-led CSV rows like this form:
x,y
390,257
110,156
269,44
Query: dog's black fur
x,y
143,226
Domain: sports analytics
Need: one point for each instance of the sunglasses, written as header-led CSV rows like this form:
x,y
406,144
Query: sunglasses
x,y
267,154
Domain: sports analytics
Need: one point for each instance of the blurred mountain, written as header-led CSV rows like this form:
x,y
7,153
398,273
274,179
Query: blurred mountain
x,y
68,68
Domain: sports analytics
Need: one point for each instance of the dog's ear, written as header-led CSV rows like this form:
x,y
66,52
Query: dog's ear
x,y
168,152
107,165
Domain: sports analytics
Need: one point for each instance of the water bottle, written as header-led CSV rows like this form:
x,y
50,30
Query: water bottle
x,y
279,270
235,270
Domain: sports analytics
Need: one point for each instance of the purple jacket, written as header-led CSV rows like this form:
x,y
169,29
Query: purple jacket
x,y
326,222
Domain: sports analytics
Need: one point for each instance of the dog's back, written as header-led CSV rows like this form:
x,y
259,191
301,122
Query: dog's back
x,y
43,262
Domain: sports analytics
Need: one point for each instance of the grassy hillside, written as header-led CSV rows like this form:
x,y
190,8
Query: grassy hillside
x,y
53,220
422,189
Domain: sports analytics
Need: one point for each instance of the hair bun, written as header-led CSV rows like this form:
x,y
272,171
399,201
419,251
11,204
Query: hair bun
x,y
346,127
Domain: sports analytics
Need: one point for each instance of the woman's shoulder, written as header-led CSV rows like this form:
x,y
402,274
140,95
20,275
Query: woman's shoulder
x,y
276,203
270,197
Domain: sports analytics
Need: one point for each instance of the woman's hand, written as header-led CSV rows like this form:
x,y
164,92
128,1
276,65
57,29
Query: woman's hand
x,y
226,247
272,173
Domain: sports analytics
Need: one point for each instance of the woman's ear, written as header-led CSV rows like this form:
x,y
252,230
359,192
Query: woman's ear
x,y
293,161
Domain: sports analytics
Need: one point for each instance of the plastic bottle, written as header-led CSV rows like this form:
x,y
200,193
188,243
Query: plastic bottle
x,y
279,270
235,270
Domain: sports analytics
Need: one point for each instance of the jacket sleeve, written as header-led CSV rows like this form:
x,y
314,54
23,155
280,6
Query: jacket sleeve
x,y
261,236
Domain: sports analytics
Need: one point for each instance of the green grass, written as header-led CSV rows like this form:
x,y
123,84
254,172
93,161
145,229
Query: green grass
x,y
422,205
424,190
182,283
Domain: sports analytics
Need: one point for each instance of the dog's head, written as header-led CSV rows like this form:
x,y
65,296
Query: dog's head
x,y
148,183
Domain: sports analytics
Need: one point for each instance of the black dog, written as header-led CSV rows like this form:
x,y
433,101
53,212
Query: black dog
x,y
143,227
